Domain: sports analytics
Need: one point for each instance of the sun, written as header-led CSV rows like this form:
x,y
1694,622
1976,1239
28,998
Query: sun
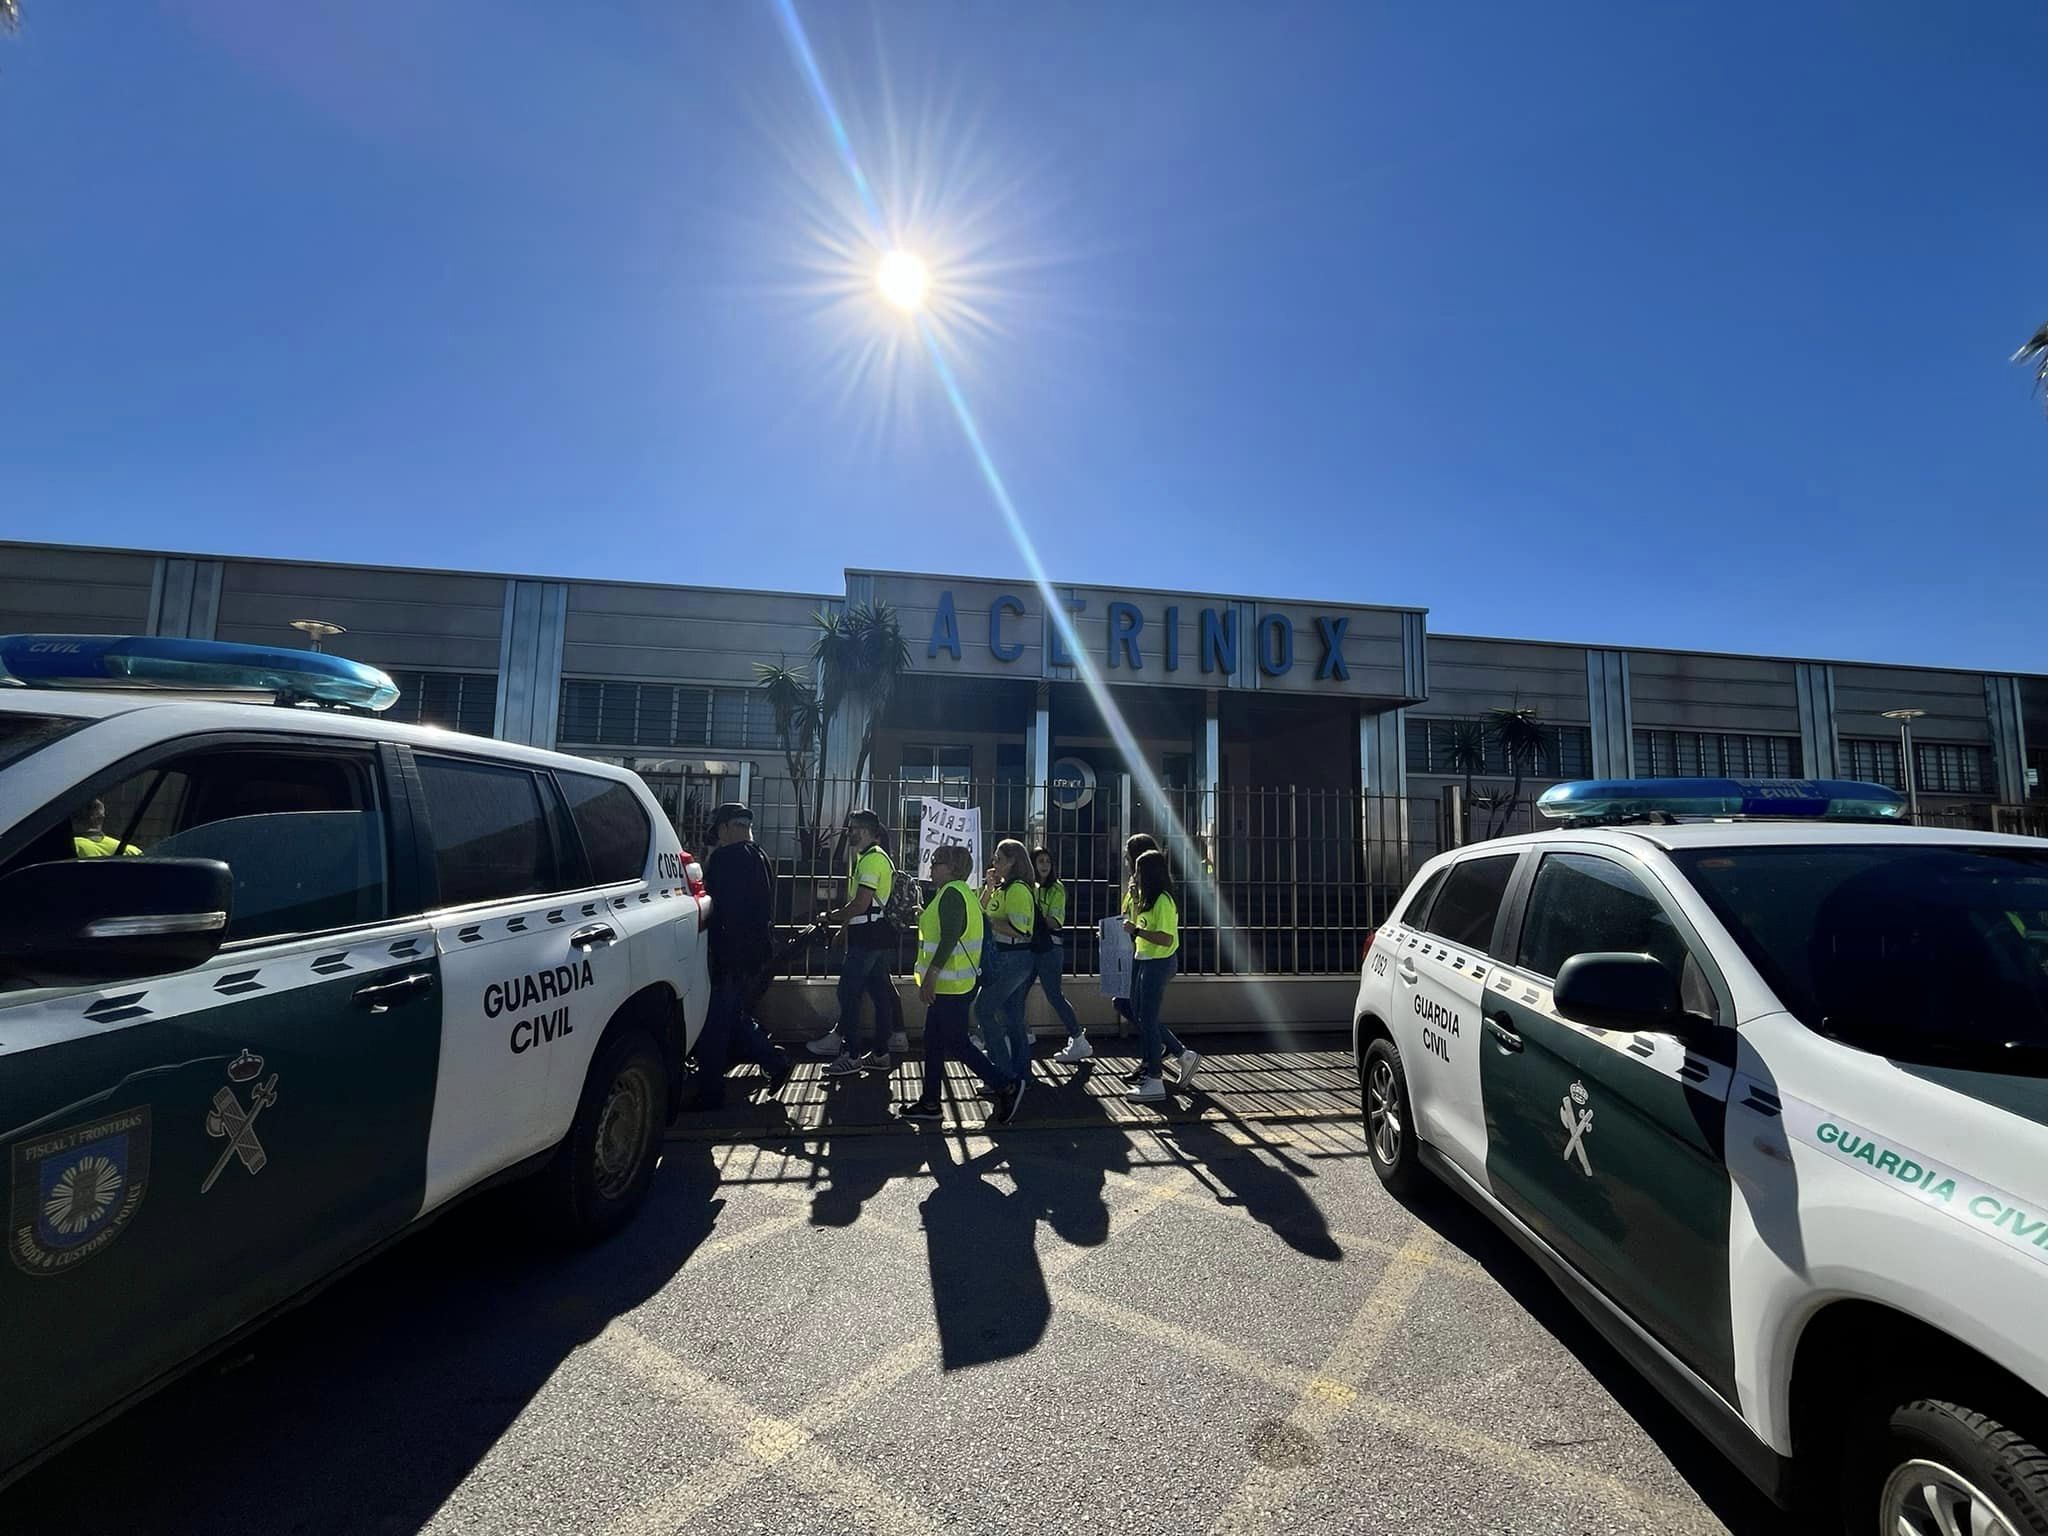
x,y
903,281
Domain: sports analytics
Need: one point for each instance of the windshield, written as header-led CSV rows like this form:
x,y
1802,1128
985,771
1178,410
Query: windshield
x,y
22,734
1926,954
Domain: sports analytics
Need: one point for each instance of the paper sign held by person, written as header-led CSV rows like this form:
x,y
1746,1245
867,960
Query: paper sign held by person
x,y
942,824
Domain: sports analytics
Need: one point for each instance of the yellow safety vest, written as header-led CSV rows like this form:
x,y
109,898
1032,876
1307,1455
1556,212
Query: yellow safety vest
x,y
882,875
956,977
102,847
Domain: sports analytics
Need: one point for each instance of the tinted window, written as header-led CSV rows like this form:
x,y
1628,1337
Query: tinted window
x,y
301,832
613,827
22,734
1417,910
1470,900
1584,904
490,834
1938,954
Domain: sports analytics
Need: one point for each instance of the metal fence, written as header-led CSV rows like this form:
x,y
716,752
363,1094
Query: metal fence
x,y
1274,881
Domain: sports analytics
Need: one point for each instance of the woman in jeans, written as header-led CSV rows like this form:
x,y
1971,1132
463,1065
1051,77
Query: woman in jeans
x,y
1135,846
1049,954
1009,902
1152,918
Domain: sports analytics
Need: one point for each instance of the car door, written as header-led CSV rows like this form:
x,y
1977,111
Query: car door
x,y
1439,977
531,964
185,1152
1611,1145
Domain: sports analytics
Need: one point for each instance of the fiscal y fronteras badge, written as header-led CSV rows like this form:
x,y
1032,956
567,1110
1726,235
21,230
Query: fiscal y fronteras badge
x,y
76,1189
1578,1121
230,1118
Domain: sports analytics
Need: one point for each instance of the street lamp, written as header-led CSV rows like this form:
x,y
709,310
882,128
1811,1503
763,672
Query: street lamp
x,y
1906,717
317,630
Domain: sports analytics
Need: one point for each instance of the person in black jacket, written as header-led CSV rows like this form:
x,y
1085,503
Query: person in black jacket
x,y
742,891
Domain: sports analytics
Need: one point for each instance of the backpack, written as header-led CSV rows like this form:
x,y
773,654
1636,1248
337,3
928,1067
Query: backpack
x,y
1042,930
905,906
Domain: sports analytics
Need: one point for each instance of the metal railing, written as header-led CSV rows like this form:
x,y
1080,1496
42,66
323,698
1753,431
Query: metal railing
x,y
1281,880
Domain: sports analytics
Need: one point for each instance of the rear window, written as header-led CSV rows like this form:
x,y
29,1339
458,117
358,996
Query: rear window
x,y
23,734
491,839
613,827
1925,953
1470,901
1417,909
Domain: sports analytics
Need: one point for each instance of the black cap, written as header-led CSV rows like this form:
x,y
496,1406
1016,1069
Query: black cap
x,y
732,810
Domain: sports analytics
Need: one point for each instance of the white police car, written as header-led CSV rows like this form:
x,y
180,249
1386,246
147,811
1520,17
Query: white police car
x,y
275,983
1767,1098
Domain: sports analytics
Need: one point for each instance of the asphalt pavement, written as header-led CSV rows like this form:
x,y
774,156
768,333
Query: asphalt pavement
x,y
1216,1322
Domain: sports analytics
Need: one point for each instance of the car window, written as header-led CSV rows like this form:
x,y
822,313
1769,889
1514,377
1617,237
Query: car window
x,y
1938,954
1584,904
1417,909
301,831
1469,902
23,734
614,829
491,838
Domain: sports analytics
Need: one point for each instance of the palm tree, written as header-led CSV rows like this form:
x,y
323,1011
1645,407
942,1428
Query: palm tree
x,y
859,654
2033,353
1466,754
1524,741
793,702
10,15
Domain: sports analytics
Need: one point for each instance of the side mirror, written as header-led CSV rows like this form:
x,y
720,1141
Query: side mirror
x,y
1609,991
112,919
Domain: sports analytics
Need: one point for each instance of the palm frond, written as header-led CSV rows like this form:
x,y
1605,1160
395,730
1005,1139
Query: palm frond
x,y
2033,353
10,15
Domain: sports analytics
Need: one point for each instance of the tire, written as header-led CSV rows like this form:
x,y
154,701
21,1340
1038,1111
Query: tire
x,y
1929,1454
1389,1127
602,1170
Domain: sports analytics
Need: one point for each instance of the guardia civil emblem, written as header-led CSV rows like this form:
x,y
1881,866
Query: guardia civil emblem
x,y
76,1189
234,1121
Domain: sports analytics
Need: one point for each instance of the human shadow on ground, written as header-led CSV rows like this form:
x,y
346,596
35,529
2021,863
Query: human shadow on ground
x,y
366,1408
1256,1174
1732,1497
989,1292
855,1168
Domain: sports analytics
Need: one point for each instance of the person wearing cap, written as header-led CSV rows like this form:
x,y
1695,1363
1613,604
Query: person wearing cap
x,y
950,933
741,885
870,944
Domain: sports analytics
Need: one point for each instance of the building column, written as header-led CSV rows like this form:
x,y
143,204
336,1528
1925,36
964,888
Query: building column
x,y
1209,773
1383,804
1038,765
2008,737
184,598
1820,748
1611,713
530,661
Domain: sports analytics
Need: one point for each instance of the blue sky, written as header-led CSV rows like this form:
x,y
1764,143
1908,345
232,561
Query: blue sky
x,y
1665,325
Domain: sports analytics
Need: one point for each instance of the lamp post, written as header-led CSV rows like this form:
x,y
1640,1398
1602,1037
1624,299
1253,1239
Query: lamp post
x,y
317,630
1906,717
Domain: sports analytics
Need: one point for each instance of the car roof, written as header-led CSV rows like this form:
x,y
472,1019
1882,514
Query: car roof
x,y
182,713
1762,833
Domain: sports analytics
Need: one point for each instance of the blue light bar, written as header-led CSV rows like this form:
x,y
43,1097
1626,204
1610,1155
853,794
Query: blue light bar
x,y
142,661
1813,799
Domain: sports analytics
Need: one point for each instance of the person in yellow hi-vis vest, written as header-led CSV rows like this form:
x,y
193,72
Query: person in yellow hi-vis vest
x,y
869,944
1009,901
94,843
1049,955
1152,918
950,933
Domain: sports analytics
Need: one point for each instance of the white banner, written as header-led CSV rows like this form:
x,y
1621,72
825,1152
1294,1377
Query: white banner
x,y
1118,957
942,824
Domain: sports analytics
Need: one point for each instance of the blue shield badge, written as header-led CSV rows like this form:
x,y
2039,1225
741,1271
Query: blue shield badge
x,y
75,1189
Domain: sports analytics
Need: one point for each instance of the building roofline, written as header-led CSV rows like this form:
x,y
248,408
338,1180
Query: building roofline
x,y
1235,597
1679,650
427,570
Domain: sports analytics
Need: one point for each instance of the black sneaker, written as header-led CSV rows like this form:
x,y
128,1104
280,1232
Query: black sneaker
x,y
778,1079
1135,1076
921,1111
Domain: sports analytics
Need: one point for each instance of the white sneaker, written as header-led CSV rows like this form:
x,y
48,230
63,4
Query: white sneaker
x,y
899,1044
1189,1061
845,1064
1077,1049
1149,1091
826,1044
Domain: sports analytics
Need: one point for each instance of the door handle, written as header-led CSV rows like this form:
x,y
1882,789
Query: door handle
x,y
1408,972
379,997
1503,1036
593,935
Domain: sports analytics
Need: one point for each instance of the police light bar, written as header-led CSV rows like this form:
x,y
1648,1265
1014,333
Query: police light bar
x,y
1816,799
126,662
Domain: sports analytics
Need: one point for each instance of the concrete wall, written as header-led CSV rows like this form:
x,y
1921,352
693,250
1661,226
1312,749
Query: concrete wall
x,y
1673,691
433,620
1954,702
74,591
683,634
1469,677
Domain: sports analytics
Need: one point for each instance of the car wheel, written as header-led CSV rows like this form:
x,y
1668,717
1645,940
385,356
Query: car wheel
x,y
1940,1467
1389,1128
601,1172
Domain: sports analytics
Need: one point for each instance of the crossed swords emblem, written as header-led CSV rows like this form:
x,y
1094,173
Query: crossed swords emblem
x,y
1578,1124
228,1118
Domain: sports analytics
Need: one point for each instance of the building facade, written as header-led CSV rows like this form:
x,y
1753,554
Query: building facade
x,y
1304,755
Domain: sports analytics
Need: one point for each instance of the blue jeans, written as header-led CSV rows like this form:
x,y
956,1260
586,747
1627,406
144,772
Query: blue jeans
x,y
1046,967
864,971
730,1026
945,1034
1148,991
1005,974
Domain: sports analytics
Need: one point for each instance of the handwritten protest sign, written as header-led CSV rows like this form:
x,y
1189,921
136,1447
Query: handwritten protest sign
x,y
942,824
1118,957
